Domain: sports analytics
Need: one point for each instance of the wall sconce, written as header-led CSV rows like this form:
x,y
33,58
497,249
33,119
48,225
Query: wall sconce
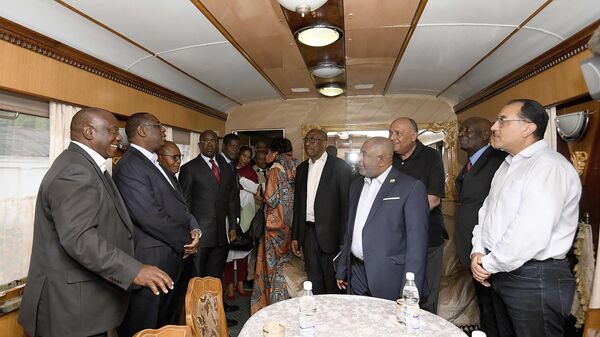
x,y
326,70
302,7
331,89
572,126
318,35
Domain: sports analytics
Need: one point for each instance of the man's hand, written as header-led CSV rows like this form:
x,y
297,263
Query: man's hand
x,y
192,248
154,278
232,235
295,249
341,284
479,273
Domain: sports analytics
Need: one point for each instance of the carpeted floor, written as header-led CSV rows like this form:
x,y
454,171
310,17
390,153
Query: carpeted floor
x,y
240,315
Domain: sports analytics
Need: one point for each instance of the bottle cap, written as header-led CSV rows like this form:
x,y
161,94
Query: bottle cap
x,y
478,333
307,285
410,276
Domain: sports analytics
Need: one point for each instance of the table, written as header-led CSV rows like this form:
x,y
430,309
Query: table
x,y
347,316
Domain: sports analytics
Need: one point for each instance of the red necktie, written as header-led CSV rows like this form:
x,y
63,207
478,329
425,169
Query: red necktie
x,y
215,170
469,166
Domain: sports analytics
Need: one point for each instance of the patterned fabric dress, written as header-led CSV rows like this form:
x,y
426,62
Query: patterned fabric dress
x,y
274,249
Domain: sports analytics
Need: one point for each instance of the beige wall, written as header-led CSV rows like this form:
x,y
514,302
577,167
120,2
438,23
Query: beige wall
x,y
292,114
30,73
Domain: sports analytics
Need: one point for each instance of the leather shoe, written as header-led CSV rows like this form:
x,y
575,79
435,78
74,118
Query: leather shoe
x,y
230,307
231,322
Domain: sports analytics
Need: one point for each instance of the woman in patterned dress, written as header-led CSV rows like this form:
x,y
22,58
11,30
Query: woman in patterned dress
x,y
274,248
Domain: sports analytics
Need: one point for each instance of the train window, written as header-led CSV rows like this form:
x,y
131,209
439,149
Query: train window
x,y
24,159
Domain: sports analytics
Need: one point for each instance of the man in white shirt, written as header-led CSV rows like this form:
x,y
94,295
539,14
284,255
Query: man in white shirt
x,y
388,219
527,224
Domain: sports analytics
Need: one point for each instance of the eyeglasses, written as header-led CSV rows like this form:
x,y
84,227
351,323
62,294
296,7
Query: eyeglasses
x,y
501,121
176,157
209,141
312,140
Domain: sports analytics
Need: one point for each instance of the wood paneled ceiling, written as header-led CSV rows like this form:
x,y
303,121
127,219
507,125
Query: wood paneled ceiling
x,y
226,53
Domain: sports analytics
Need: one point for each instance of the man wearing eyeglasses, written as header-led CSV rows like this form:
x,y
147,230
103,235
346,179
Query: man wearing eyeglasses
x,y
165,232
527,224
320,211
169,156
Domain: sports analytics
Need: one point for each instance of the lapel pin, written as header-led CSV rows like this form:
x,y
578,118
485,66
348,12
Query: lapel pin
x,y
392,181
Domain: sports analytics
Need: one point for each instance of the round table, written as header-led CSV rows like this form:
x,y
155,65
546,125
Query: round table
x,y
347,316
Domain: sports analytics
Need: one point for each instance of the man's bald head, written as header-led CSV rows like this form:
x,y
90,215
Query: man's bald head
x,y
97,129
375,156
473,134
169,156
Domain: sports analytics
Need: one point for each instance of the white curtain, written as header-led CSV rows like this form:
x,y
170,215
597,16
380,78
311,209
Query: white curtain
x,y
169,133
550,135
194,149
60,127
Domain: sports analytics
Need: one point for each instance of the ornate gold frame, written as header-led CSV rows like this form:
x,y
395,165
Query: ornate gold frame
x,y
449,128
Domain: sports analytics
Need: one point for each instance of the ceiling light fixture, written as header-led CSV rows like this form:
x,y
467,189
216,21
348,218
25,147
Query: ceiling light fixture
x,y
331,89
318,35
326,70
302,7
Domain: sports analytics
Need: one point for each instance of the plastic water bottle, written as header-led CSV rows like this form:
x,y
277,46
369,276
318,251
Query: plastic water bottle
x,y
410,294
308,309
477,333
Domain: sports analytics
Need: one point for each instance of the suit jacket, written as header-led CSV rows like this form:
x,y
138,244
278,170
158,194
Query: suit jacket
x,y
209,201
162,222
473,187
395,235
331,204
81,261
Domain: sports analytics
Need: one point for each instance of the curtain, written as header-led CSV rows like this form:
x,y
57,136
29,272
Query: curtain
x,y
550,135
169,133
194,149
60,127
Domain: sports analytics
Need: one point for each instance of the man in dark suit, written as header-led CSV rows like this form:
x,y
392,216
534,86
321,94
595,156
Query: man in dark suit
x,y
386,235
165,232
230,151
473,185
320,211
210,189
81,262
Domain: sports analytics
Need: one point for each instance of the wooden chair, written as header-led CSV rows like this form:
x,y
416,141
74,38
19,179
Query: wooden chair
x,y
204,310
166,331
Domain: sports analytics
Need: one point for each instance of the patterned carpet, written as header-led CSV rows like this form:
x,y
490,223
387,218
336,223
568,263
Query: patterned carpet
x,y
240,315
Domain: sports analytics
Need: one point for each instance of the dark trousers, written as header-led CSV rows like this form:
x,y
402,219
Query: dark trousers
x,y
433,273
493,318
537,297
147,311
319,265
358,284
210,261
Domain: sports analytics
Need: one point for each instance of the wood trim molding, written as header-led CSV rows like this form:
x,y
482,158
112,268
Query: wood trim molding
x,y
565,50
26,38
413,27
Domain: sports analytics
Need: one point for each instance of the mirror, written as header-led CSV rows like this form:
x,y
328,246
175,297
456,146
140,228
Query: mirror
x,y
440,135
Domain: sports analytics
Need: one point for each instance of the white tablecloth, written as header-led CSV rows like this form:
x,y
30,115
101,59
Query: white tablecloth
x,y
347,316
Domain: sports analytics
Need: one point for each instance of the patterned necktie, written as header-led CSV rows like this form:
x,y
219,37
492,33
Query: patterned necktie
x,y
469,166
215,170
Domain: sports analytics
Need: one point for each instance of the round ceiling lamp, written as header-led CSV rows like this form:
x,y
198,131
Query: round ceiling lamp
x,y
318,35
326,70
331,89
302,7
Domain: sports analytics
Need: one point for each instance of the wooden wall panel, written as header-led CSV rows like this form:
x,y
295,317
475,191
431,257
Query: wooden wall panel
x,y
30,73
9,326
558,84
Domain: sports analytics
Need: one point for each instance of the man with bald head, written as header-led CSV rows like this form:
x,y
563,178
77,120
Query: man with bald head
x,y
165,232
81,262
425,164
169,156
473,185
386,236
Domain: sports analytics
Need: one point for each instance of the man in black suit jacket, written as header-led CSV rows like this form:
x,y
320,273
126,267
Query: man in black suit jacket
x,y
164,233
210,190
81,262
473,185
320,211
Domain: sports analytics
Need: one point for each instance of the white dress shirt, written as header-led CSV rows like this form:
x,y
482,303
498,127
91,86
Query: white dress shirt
x,y
367,196
98,159
153,157
314,177
531,212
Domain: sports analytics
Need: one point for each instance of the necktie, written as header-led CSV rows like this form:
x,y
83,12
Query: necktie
x,y
469,166
215,170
